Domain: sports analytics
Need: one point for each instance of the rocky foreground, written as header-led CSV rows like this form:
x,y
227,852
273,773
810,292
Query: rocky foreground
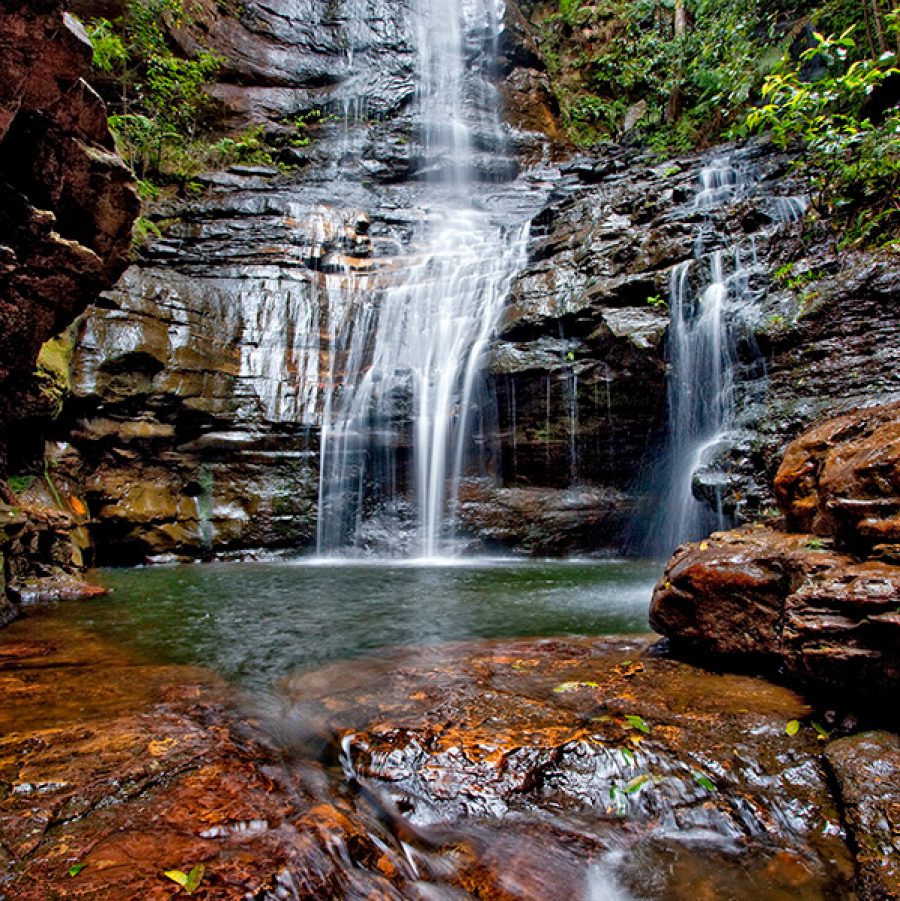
x,y
819,598
576,768
504,770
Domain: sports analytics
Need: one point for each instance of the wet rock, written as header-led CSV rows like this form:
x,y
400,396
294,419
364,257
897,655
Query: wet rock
x,y
531,758
517,770
68,200
842,478
828,344
867,770
42,550
543,521
788,601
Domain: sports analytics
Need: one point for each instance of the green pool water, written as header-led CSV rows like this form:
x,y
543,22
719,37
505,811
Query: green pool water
x,y
253,622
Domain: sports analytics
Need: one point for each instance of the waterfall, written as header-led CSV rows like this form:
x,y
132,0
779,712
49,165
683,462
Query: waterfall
x,y
710,305
407,341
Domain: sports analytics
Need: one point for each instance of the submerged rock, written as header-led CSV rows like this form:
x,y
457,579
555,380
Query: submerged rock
x,y
606,769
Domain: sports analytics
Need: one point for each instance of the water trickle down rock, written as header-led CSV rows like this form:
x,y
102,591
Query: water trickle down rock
x,y
712,306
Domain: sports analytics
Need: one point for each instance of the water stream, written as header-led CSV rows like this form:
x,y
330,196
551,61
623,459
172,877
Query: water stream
x,y
402,390
712,307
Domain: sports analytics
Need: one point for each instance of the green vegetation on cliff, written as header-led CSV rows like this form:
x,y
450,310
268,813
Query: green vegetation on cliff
x,y
673,75
167,124
849,152
676,74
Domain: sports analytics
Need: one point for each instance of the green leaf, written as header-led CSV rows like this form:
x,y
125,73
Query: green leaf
x,y
822,734
704,781
188,881
793,727
628,755
636,722
636,784
76,868
564,687
177,876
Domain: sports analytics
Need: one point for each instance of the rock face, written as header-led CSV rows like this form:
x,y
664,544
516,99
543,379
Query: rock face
x,y
796,601
867,770
198,382
67,204
68,201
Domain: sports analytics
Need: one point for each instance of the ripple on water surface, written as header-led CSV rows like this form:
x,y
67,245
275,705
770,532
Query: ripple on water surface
x,y
253,622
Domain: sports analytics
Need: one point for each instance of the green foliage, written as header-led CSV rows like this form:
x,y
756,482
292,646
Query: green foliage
x,y
248,147
76,868
792,728
565,687
162,112
19,483
622,62
625,51
852,164
189,882
704,781
158,97
110,53
144,229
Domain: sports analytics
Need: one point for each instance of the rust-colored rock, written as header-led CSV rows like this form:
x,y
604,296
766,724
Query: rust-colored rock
x,y
842,478
789,601
67,200
506,769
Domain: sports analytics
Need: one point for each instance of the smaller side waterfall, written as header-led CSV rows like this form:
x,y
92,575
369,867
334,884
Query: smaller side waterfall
x,y
711,304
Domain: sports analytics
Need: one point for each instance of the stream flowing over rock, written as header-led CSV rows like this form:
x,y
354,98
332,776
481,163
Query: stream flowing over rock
x,y
512,770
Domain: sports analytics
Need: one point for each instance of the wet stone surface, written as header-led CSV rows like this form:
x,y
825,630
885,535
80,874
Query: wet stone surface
x,y
565,768
656,778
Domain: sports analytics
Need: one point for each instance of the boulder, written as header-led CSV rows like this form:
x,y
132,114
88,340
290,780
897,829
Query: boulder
x,y
842,478
821,602
788,601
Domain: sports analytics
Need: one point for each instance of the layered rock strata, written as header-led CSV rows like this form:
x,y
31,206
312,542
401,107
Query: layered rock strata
x,y
821,605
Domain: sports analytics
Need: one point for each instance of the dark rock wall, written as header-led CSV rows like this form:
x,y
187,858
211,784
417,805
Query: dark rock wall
x,y
66,200
67,204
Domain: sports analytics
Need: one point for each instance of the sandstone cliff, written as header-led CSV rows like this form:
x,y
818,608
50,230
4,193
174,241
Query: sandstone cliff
x,y
67,204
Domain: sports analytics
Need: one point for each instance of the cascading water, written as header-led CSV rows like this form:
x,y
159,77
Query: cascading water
x,y
711,304
406,341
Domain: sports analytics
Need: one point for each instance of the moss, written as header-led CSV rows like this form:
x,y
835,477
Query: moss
x,y
54,369
20,483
